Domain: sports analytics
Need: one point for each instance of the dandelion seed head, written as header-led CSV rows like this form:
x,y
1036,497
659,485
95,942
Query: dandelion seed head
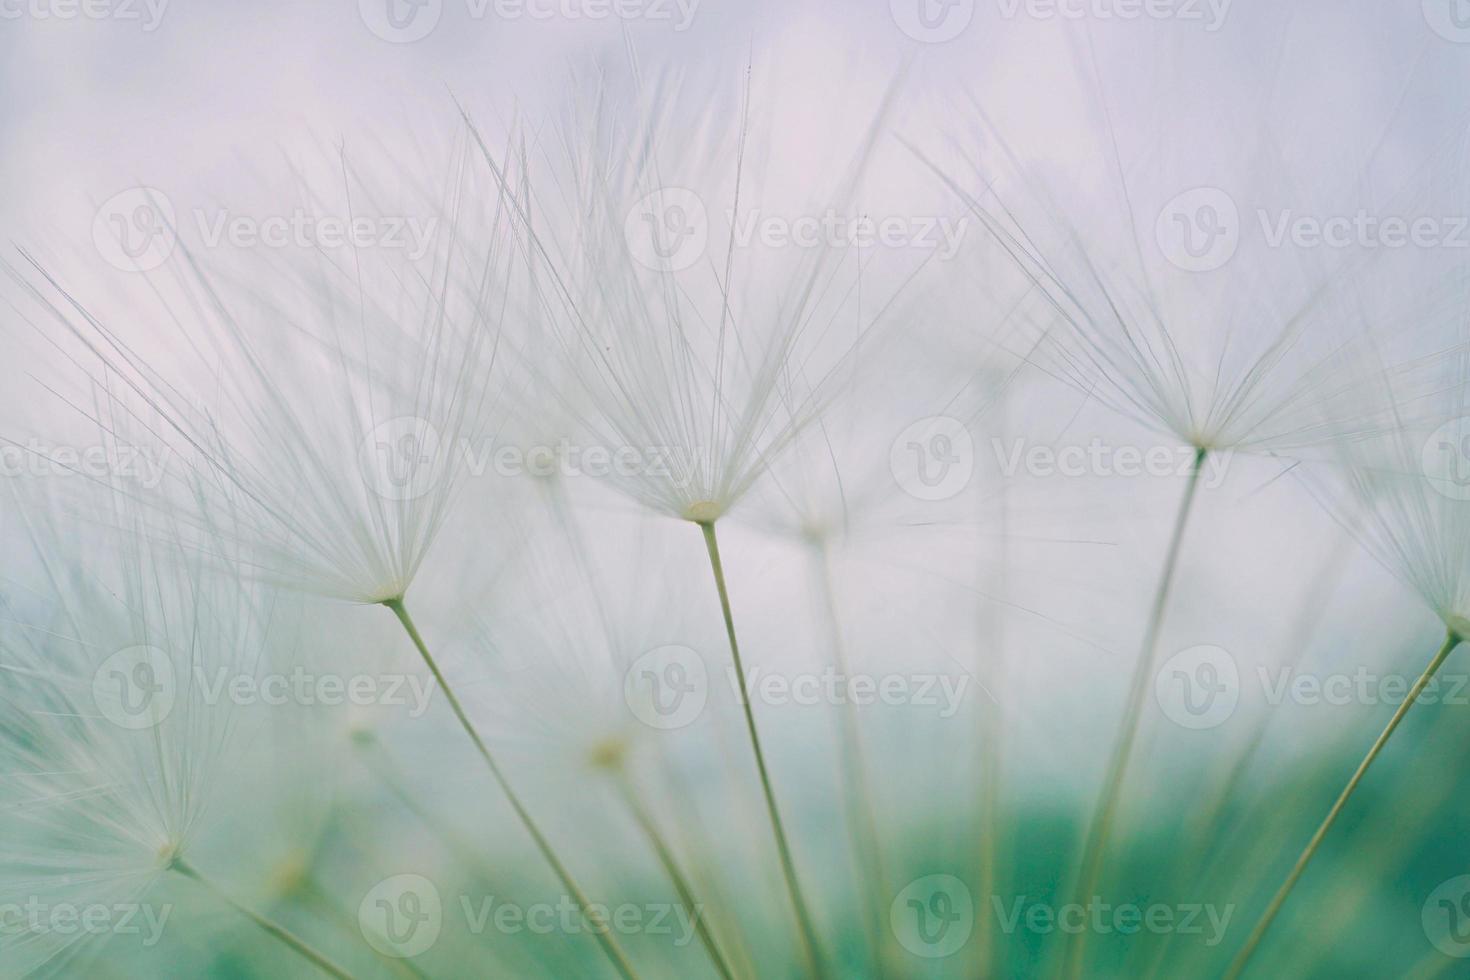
x,y
111,753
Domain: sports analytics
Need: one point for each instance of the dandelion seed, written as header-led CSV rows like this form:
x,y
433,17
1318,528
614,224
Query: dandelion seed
x,y
110,748
720,379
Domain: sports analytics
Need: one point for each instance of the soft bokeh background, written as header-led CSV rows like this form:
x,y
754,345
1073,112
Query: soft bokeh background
x,y
1034,587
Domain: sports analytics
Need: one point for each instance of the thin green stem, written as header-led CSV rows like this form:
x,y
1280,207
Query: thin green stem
x,y
1238,965
805,928
990,666
313,894
1204,854
376,757
1106,812
272,928
857,796
665,854
604,937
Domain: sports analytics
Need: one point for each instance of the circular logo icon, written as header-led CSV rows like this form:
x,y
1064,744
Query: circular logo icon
x,y
400,21
135,688
401,916
1445,459
933,916
1198,687
934,458
403,458
667,230
667,687
1199,230
932,21
1446,917
1450,19
134,229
